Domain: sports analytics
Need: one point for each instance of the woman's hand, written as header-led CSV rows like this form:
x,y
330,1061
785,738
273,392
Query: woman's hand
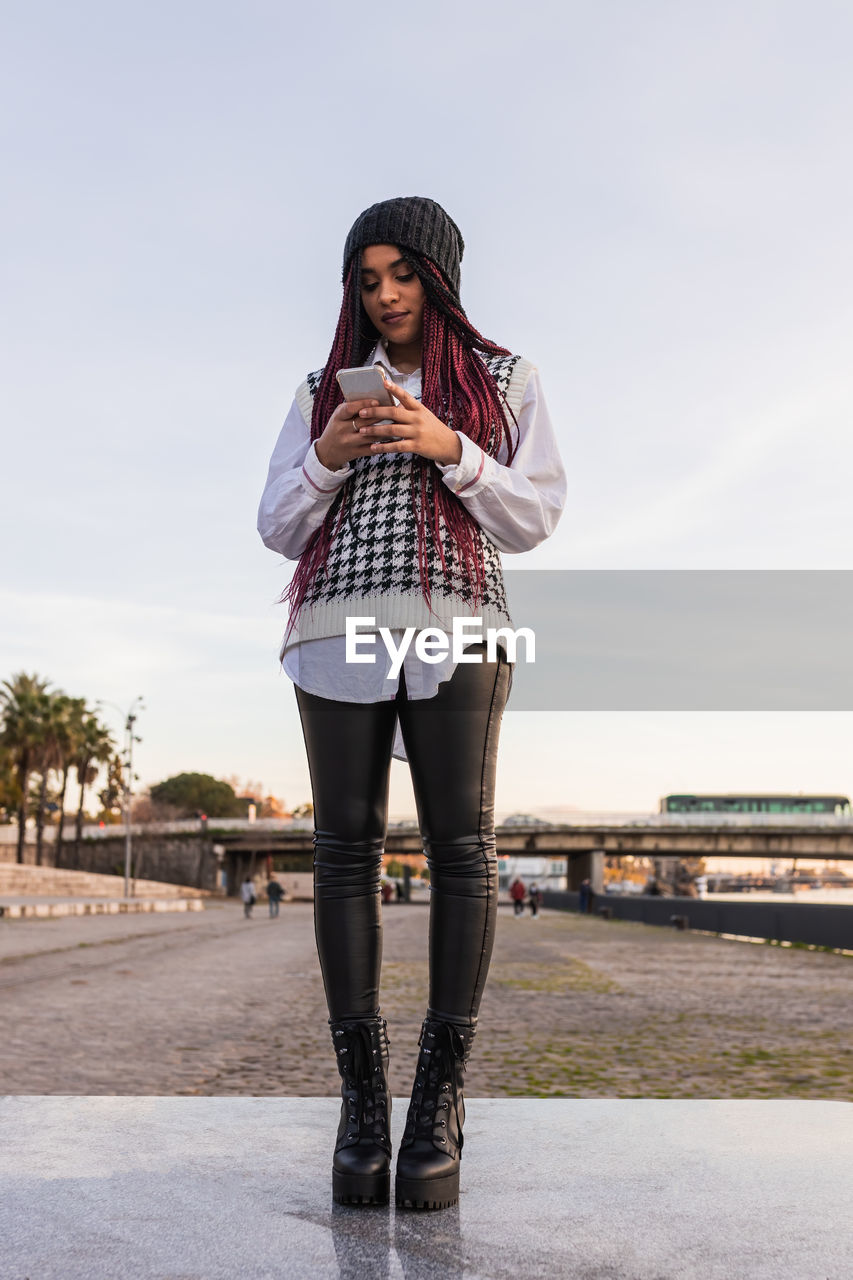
x,y
341,440
417,429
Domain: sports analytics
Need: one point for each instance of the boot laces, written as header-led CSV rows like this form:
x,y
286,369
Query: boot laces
x,y
358,1046
436,1086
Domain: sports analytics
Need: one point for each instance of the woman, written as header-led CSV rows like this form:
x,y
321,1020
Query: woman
x,y
403,523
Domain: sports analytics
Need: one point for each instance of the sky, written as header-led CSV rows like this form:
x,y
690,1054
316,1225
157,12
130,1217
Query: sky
x,y
656,202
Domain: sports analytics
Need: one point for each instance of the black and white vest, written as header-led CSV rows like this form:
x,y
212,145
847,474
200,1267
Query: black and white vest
x,y
372,567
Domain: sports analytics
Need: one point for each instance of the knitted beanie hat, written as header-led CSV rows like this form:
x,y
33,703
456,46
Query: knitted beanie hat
x,y
412,222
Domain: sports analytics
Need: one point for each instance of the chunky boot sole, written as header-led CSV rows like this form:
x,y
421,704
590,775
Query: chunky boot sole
x,y
427,1193
361,1188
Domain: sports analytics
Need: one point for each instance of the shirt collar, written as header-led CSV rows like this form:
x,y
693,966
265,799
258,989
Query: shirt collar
x,y
379,355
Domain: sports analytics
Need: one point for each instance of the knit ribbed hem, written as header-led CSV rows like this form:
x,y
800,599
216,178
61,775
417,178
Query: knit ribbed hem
x,y
390,610
305,400
518,384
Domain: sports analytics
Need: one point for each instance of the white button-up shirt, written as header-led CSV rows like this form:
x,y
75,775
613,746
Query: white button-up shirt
x,y
516,506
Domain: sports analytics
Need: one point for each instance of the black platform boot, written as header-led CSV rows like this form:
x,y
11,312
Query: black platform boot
x,y
362,1161
431,1150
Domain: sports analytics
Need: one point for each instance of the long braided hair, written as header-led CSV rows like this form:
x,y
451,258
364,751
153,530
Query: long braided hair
x,y
456,386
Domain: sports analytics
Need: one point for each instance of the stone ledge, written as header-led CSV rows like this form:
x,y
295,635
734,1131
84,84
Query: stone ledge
x,y
24,880
594,1189
20,908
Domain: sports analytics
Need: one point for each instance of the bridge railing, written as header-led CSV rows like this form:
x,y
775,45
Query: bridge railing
x,y
575,818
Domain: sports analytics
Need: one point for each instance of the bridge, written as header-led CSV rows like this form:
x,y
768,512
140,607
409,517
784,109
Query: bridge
x,y
585,844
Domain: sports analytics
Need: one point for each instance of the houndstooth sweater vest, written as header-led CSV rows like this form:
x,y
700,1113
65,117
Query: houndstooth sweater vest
x,y
372,567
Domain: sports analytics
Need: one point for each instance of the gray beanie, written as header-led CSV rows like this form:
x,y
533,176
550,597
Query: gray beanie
x,y
412,222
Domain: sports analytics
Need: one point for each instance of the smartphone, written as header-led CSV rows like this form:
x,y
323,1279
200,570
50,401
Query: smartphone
x,y
367,383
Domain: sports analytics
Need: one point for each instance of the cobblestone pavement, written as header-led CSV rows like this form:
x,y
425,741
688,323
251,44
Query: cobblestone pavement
x,y
574,1007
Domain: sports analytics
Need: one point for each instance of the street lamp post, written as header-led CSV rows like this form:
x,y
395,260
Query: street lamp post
x,y
127,790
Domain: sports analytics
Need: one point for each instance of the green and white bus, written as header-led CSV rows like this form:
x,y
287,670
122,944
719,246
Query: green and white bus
x,y
839,806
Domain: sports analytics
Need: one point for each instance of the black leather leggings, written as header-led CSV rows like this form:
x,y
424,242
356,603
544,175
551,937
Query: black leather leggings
x,y
451,743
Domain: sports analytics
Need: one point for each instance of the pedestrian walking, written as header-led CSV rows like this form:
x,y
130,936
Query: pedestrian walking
x,y
275,893
247,893
535,894
585,897
399,513
517,892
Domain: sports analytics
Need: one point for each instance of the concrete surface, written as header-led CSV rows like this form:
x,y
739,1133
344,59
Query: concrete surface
x,y
598,1189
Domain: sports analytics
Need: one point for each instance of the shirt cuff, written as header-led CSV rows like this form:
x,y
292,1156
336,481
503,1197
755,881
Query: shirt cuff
x,y
467,475
319,480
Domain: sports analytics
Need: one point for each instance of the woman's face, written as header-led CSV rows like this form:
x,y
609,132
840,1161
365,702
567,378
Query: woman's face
x,y
392,294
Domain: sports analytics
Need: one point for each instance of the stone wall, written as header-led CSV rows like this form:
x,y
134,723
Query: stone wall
x,y
173,859
819,924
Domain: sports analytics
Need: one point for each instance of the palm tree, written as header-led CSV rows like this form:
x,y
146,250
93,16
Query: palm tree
x,y
22,706
49,756
71,732
8,785
95,747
